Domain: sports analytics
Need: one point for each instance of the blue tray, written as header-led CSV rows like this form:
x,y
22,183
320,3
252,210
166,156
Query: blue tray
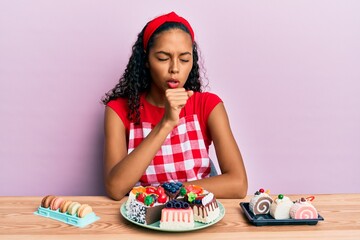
x,y
268,220
67,218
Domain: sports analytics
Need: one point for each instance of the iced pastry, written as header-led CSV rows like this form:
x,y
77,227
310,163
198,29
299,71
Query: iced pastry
x,y
260,203
280,207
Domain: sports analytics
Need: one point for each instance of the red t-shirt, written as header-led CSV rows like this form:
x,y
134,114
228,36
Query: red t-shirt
x,y
200,104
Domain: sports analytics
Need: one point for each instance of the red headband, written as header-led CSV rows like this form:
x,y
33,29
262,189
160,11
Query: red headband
x,y
157,22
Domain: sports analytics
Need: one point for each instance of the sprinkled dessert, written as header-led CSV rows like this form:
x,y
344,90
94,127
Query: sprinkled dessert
x,y
144,204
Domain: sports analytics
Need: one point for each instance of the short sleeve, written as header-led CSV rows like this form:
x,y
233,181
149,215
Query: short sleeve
x,y
120,107
209,102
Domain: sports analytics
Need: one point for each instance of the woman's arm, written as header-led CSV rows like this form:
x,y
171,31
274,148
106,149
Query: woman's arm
x,y
232,183
123,170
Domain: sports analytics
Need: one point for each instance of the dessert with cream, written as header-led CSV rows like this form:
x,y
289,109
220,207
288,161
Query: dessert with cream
x,y
260,203
176,207
206,208
280,207
177,215
303,209
144,204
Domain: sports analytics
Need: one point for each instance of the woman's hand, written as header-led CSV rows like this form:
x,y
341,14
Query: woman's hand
x,y
175,100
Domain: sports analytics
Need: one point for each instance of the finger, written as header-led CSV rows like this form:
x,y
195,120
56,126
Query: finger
x,y
190,93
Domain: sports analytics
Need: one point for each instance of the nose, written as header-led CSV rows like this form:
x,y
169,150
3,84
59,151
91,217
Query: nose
x,y
174,67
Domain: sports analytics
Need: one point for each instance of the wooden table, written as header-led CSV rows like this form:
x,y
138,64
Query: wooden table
x,y
17,221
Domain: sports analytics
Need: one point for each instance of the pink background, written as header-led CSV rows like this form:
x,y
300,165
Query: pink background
x,y
288,72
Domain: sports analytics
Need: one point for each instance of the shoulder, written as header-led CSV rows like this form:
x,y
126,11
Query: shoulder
x,y
205,99
206,96
202,104
120,107
119,103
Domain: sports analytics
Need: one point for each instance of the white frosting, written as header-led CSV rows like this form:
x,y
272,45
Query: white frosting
x,y
131,197
207,199
280,208
206,214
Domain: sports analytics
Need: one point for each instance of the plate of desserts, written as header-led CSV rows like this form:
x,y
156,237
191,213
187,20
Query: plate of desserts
x,y
262,210
172,207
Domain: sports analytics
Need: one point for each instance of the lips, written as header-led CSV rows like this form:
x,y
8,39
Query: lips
x,y
173,83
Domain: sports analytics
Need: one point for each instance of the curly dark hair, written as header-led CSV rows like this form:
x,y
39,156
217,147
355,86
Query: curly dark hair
x,y
136,78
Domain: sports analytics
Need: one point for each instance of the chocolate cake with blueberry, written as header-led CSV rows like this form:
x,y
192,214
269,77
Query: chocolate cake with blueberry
x,y
172,189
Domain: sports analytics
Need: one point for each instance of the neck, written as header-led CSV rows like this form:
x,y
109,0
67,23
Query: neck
x,y
155,99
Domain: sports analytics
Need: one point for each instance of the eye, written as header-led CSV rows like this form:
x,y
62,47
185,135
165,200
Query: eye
x,y
162,59
184,60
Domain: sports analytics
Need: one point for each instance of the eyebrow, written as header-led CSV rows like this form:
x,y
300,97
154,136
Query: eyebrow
x,y
168,54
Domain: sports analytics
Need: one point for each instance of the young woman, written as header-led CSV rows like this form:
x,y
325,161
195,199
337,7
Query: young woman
x,y
159,124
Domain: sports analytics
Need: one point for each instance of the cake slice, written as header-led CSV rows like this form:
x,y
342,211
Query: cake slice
x,y
177,215
172,189
206,208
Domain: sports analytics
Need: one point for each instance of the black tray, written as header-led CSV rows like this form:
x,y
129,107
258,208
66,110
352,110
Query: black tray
x,y
268,220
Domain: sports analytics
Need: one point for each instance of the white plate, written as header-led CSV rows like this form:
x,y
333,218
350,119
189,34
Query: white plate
x,y
156,225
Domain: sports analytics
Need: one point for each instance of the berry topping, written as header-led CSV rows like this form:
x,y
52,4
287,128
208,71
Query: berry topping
x,y
150,190
280,196
194,188
162,198
149,200
191,197
140,197
261,190
182,191
179,184
169,204
172,187
160,190
186,205
302,200
177,204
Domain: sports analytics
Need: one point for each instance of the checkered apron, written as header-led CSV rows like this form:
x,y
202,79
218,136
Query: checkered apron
x,y
182,157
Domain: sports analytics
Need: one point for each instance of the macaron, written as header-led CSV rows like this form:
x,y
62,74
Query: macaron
x,y
65,205
74,206
56,203
84,210
45,202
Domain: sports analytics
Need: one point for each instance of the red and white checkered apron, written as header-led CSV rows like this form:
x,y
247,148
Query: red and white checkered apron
x,y
182,157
